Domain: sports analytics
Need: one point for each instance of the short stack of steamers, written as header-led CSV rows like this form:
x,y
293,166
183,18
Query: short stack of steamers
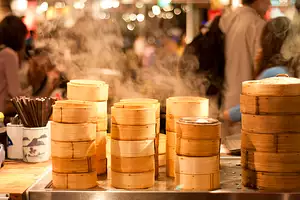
x,y
97,93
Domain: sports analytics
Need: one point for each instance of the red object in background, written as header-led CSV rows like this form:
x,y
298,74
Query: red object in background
x,y
213,13
268,14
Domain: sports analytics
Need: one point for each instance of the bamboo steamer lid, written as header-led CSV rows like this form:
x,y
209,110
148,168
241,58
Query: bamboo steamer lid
x,y
171,153
197,165
162,160
73,149
131,133
73,132
77,165
143,101
101,124
261,105
197,128
101,145
199,181
132,148
171,123
271,162
162,143
170,167
74,181
271,123
132,165
275,86
171,139
272,182
87,90
101,166
188,106
132,180
186,147
71,111
133,116
281,143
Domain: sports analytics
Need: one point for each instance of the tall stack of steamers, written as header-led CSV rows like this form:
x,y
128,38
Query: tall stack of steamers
x,y
271,134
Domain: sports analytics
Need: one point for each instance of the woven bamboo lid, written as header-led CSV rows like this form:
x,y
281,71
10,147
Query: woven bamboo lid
x,y
88,82
73,104
282,85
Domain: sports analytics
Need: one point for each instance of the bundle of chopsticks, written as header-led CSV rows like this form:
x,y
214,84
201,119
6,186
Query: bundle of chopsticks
x,y
33,112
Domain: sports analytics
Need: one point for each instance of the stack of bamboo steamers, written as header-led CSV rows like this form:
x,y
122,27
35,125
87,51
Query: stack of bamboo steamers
x,y
95,92
132,143
73,135
178,107
271,134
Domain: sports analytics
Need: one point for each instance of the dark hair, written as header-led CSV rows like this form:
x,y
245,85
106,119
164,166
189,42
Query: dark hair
x,y
272,38
13,32
248,2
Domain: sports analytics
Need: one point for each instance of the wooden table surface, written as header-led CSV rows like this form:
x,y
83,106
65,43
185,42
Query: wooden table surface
x,y
17,176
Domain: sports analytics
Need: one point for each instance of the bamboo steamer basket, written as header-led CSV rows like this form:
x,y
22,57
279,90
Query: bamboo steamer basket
x,y
132,180
101,124
185,106
157,131
101,145
75,112
162,148
108,143
256,105
132,165
171,153
171,139
187,147
142,101
271,123
197,165
171,123
132,133
73,132
131,149
87,90
77,165
74,181
275,86
162,160
269,181
281,143
101,109
197,128
73,149
133,116
101,166
203,182
271,162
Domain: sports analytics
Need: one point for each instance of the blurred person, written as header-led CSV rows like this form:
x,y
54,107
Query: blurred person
x,y
242,28
270,61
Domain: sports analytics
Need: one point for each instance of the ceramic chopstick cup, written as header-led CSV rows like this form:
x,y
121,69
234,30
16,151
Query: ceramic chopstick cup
x,y
15,141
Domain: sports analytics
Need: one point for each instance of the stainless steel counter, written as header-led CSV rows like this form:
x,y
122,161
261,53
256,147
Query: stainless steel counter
x,y
164,189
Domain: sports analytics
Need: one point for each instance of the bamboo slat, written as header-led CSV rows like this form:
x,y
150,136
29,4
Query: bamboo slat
x,y
74,181
271,162
267,105
281,142
77,165
162,160
75,112
73,149
87,90
131,116
132,148
132,165
197,165
275,86
186,147
197,128
271,123
268,181
132,133
132,180
204,182
73,132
